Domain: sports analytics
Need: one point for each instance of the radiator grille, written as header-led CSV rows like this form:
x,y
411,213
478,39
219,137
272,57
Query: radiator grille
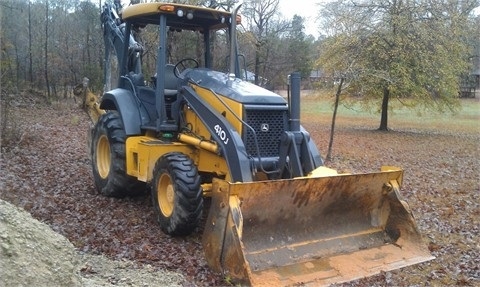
x,y
269,126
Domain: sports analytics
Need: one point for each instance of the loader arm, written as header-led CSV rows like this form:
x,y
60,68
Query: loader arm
x,y
232,147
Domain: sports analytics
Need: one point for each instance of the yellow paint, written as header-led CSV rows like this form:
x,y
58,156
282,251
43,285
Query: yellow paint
x,y
230,109
142,153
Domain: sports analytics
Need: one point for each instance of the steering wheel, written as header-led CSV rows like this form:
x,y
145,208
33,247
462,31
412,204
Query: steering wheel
x,y
184,64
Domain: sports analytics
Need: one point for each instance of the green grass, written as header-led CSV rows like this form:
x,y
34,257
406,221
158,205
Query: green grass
x,y
319,108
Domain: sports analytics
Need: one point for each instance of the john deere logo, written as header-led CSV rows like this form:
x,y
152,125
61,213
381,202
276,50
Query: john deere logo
x,y
264,128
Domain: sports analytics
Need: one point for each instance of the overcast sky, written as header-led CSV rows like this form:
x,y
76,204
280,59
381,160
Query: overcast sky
x,y
308,9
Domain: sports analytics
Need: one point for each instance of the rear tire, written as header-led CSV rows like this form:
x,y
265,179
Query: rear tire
x,y
107,152
177,194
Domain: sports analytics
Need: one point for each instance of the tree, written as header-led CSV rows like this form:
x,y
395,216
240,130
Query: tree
x,y
261,15
61,41
412,51
334,117
300,47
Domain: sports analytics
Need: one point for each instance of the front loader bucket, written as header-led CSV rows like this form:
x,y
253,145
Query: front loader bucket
x,y
312,231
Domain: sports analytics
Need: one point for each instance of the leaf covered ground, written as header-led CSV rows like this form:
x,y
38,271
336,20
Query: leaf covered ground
x,y
46,171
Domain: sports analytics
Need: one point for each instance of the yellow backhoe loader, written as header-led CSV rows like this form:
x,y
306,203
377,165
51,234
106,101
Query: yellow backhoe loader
x,y
278,216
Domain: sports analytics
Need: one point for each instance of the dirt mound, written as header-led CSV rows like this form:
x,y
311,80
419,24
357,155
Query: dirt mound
x,y
32,254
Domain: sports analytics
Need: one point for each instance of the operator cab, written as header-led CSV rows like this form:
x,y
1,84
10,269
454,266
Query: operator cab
x,y
181,24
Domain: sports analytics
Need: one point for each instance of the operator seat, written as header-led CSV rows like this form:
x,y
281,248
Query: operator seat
x,y
171,81
170,92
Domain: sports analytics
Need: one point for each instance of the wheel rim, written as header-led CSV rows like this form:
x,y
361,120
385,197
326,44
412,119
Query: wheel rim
x,y
103,157
165,195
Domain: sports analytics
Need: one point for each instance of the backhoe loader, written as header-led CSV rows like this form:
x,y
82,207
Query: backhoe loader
x,y
278,216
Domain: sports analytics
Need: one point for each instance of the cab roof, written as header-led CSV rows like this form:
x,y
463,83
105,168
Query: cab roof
x,y
178,16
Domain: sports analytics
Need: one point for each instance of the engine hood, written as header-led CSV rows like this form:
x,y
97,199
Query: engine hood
x,y
240,90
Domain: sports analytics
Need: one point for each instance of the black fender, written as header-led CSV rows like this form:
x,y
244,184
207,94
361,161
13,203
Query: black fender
x,y
127,106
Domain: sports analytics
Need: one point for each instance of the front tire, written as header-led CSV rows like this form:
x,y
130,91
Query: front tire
x,y
107,152
177,194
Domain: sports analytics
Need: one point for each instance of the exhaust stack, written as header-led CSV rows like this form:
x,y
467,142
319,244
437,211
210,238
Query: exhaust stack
x,y
294,103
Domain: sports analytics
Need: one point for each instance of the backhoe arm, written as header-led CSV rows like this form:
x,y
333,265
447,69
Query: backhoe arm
x,y
114,38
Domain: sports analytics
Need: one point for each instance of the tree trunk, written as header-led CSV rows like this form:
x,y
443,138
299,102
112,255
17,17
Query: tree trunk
x,y
46,52
17,66
384,117
257,64
87,42
332,129
30,56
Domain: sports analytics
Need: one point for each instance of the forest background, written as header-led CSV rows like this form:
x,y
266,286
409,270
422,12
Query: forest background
x,y
423,54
